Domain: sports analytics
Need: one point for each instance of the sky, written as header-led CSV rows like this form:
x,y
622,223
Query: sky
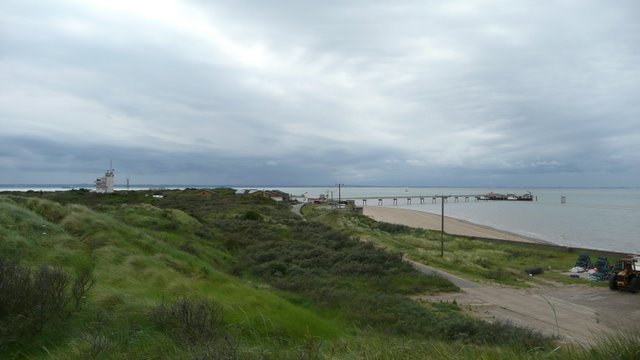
x,y
398,93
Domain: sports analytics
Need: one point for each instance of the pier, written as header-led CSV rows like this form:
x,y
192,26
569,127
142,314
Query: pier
x,y
422,199
411,199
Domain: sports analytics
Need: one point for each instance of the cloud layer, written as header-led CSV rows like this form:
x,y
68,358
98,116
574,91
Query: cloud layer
x,y
459,93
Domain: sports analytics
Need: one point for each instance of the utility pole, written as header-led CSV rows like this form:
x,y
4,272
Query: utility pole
x,y
442,228
339,195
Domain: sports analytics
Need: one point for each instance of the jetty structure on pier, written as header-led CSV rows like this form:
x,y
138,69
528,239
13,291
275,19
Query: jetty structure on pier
x,y
422,199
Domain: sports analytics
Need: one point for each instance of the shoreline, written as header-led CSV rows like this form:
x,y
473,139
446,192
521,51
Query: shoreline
x,y
453,226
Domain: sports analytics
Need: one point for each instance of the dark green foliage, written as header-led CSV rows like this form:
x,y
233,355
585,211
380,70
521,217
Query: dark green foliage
x,y
339,272
199,323
83,283
29,300
92,199
394,228
336,271
252,215
311,248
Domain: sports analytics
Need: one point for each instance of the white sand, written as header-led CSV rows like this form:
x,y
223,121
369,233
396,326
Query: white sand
x,y
424,220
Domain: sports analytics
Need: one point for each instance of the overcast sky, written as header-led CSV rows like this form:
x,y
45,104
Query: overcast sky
x,y
406,93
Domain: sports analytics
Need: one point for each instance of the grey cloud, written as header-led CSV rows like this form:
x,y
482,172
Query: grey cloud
x,y
419,93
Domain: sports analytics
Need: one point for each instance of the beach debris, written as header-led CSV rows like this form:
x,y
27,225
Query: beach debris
x,y
603,266
577,269
584,261
601,270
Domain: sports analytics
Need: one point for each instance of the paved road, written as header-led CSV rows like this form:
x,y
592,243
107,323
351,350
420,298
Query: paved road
x,y
577,313
297,209
459,282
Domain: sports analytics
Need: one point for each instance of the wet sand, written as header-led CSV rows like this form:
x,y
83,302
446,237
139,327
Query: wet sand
x,y
424,220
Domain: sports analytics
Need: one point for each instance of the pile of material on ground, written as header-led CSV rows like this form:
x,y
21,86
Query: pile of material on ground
x,y
601,270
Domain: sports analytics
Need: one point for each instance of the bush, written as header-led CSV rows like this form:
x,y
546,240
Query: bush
x,y
199,324
252,215
29,300
393,228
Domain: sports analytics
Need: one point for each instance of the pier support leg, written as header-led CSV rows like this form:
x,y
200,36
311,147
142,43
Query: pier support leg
x,y
364,202
379,202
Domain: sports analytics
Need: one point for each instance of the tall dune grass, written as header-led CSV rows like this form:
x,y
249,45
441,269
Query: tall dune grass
x,y
288,289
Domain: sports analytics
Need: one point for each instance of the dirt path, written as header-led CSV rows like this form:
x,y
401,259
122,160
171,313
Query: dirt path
x,y
577,313
297,209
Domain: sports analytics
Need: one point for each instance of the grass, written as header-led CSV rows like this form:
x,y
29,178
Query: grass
x,y
138,262
286,289
481,260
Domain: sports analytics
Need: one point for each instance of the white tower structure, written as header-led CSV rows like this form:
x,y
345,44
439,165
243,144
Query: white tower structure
x,y
104,185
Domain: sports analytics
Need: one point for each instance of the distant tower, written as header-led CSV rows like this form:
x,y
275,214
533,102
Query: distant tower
x,y
104,185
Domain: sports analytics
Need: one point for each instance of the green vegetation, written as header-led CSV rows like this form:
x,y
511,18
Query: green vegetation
x,y
482,260
130,276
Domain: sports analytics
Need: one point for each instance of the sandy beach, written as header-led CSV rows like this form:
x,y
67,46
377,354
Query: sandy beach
x,y
424,220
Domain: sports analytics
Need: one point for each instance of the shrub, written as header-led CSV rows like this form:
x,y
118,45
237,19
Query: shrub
x,y
393,228
29,300
188,248
252,215
199,324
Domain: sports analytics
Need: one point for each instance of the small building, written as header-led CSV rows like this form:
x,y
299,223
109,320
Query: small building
x,y
204,193
104,185
275,195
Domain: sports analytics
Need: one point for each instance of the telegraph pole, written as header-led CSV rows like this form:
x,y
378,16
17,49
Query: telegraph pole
x,y
442,228
339,195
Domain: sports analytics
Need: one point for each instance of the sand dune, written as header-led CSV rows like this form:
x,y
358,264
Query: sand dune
x,y
420,219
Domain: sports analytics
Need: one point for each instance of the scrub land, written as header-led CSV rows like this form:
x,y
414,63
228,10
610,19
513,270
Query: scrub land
x,y
212,275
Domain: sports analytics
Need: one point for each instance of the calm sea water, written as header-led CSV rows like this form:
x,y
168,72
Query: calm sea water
x,y
607,219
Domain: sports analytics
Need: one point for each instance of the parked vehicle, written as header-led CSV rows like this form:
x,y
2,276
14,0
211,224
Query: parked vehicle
x,y
628,278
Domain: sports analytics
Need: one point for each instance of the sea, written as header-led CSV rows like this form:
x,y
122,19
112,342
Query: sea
x,y
602,219
595,218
